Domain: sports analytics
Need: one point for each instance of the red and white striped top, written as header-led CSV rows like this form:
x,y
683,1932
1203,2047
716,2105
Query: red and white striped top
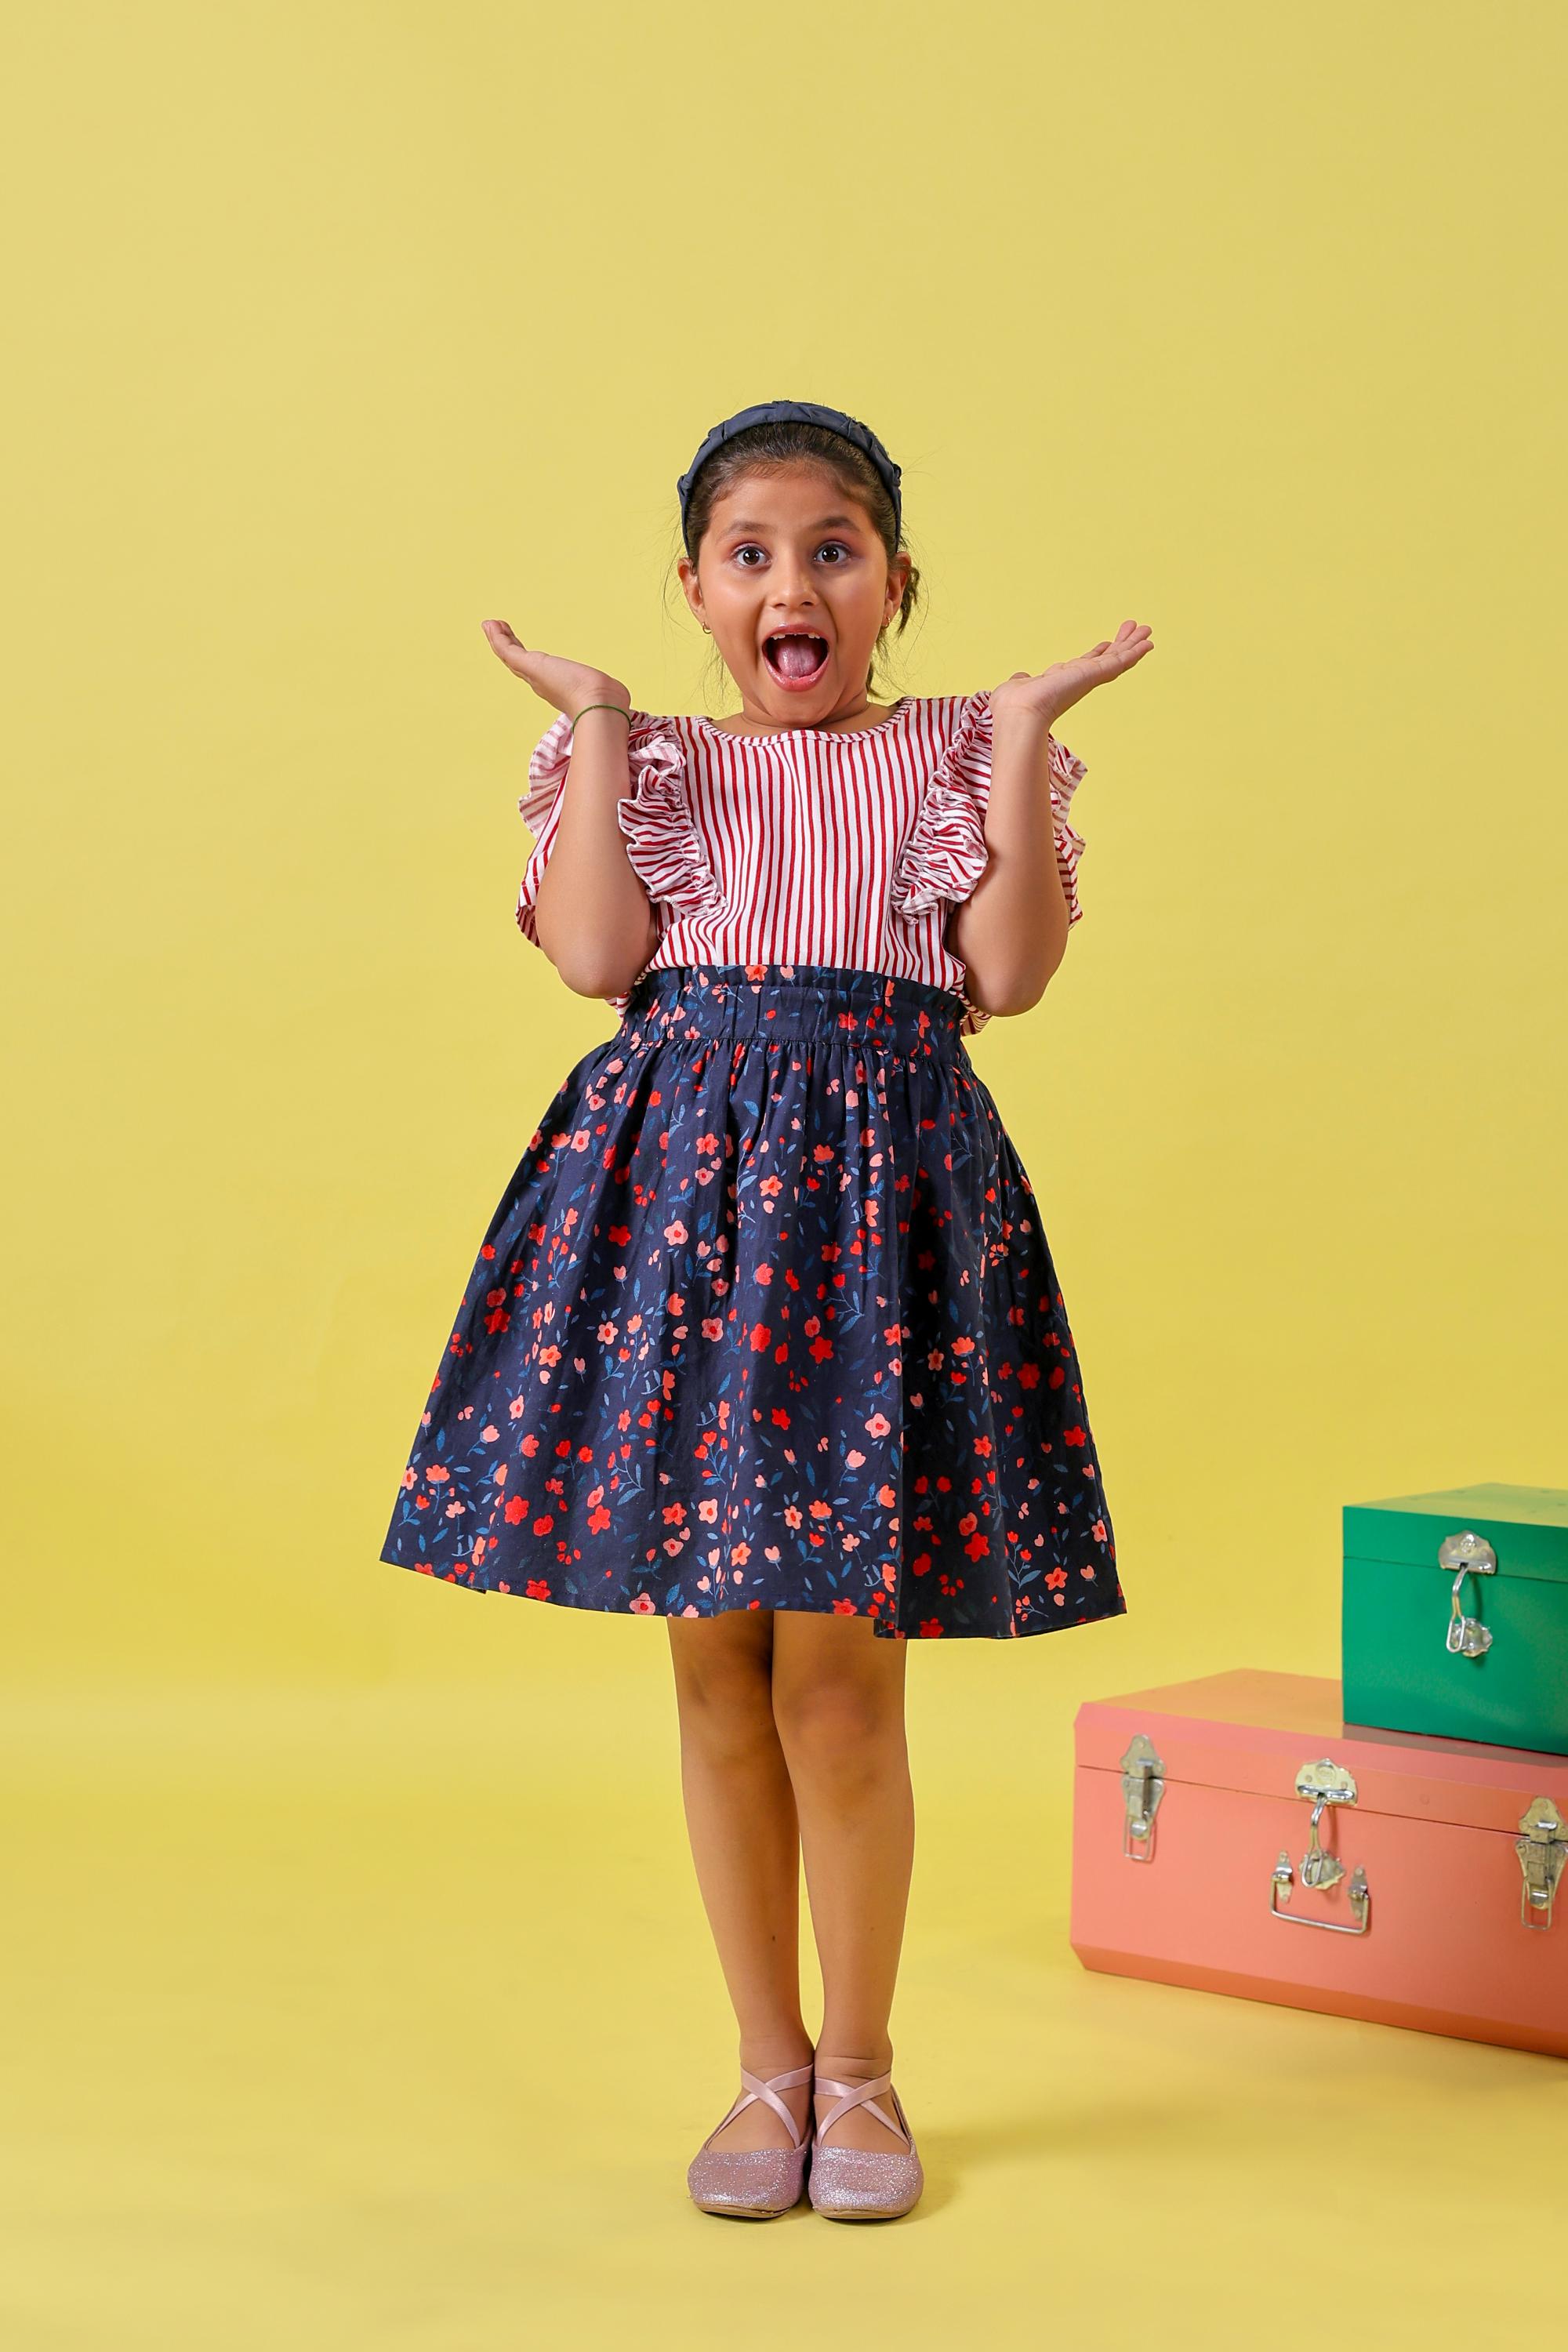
x,y
811,845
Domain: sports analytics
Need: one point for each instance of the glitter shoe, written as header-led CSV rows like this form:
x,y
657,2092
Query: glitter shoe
x,y
860,2184
753,2184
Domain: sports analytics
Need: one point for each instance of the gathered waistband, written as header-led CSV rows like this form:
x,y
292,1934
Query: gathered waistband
x,y
796,1001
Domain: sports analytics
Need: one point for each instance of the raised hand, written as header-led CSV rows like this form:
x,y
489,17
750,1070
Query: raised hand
x,y
1057,689
567,686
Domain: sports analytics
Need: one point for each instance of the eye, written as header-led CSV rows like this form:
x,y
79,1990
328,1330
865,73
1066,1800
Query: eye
x,y
747,547
838,543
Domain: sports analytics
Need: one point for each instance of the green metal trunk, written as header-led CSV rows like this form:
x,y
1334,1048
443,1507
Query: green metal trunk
x,y
1456,1615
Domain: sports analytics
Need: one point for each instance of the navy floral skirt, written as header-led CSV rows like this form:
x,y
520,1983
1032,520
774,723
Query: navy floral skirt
x,y
765,1320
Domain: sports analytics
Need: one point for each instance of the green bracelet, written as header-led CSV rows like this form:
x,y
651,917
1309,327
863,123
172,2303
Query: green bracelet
x,y
621,707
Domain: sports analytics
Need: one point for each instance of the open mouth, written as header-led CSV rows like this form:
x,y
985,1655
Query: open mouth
x,y
795,658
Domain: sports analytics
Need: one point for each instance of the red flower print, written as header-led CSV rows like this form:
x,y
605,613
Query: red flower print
x,y
713,1189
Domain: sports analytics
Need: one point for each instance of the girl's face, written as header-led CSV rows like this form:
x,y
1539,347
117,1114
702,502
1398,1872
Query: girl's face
x,y
793,580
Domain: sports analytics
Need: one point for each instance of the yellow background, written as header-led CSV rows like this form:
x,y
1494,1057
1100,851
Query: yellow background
x,y
360,1984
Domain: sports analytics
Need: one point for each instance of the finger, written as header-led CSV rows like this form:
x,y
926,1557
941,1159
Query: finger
x,y
508,648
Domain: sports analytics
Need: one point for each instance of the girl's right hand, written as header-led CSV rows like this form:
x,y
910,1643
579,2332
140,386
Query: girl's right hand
x,y
567,685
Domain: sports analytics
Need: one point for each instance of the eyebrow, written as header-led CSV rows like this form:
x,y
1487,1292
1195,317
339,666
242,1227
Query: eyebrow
x,y
822,524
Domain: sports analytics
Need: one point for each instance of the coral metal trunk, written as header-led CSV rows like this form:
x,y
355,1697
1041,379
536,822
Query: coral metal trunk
x,y
1233,1834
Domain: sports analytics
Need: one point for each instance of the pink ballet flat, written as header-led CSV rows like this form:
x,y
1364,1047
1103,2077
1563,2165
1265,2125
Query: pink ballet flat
x,y
753,2184
862,2184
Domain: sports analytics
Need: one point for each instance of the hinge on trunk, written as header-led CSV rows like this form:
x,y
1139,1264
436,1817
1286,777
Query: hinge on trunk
x,y
1143,1785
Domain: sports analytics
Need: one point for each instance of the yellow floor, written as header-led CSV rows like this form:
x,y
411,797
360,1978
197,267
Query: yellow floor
x,y
389,2017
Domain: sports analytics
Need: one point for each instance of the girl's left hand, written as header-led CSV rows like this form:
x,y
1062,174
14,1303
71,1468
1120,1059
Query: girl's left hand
x,y
1057,689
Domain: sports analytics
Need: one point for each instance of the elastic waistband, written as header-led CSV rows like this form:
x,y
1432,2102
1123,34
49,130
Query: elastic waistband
x,y
797,1000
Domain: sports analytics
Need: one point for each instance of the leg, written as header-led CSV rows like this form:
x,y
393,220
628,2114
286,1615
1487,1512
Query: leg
x,y
745,1842
838,1702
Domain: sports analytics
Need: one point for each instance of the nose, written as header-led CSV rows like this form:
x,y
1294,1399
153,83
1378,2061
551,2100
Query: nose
x,y
792,592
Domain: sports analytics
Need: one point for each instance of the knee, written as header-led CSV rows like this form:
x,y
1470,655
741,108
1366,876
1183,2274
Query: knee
x,y
839,1731
725,1701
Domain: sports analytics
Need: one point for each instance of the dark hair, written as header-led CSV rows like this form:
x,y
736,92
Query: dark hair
x,y
791,443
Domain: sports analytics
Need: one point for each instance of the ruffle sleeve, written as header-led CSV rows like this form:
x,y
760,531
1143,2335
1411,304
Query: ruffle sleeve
x,y
667,850
663,845
945,853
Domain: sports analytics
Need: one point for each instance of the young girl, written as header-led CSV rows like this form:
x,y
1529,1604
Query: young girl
x,y
765,1337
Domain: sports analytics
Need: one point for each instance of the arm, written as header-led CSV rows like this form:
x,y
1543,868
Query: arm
x,y
594,920
1011,932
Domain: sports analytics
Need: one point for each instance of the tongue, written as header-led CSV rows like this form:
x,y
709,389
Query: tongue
x,y
796,657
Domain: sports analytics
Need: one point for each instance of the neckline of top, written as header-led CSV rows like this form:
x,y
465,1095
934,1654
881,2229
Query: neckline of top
x,y
833,734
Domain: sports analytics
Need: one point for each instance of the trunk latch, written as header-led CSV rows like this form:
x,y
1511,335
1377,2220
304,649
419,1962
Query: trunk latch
x,y
1468,1554
1143,1785
1542,1851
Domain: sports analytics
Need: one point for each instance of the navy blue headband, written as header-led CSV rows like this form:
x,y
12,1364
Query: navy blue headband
x,y
802,412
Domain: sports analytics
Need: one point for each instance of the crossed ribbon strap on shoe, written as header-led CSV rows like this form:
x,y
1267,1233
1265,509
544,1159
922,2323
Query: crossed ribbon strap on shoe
x,y
846,2095
768,2091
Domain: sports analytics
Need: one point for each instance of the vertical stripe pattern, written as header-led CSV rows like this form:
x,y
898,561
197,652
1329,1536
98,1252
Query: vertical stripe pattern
x,y
810,847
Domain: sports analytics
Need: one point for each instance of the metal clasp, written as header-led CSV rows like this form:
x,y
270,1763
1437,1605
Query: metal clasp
x,y
1468,1554
1541,1852
1143,1785
1326,1783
